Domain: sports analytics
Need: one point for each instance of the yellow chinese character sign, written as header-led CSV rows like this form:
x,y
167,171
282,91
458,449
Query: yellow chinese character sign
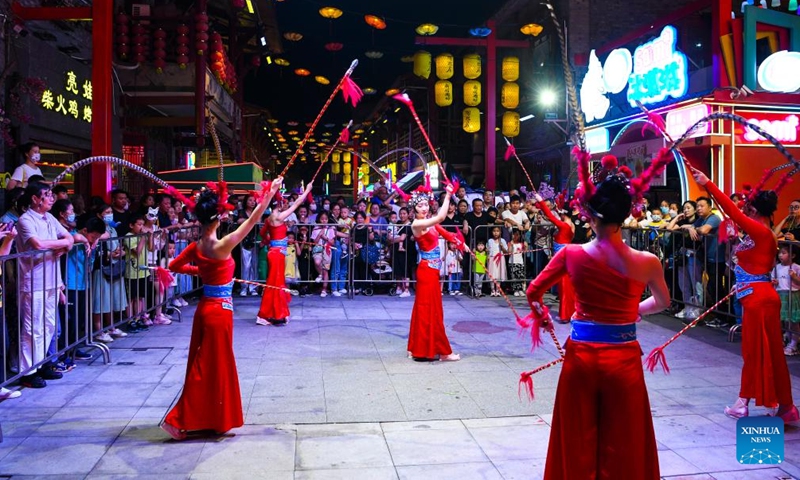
x,y
70,103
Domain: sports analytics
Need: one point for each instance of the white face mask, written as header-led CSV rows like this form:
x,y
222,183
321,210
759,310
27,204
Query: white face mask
x,y
313,207
673,213
35,157
656,218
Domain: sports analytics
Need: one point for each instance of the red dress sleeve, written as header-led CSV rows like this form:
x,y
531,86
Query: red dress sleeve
x,y
749,225
565,233
450,236
556,268
181,263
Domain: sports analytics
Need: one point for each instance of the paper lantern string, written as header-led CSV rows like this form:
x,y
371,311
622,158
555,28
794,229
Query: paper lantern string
x,y
351,94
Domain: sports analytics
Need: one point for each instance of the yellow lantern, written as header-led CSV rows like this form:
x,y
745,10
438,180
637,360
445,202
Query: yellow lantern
x,y
347,181
510,69
444,66
509,95
472,66
422,64
336,157
443,93
364,170
471,120
511,124
347,168
336,168
472,93
346,157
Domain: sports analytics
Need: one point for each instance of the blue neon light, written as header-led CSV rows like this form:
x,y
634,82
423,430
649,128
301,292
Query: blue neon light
x,y
659,70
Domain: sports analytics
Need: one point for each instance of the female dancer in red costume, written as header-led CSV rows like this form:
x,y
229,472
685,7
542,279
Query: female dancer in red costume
x,y
427,339
211,399
602,425
275,301
765,376
564,235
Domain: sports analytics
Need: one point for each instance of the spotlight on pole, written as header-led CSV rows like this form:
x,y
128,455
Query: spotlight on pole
x,y
547,98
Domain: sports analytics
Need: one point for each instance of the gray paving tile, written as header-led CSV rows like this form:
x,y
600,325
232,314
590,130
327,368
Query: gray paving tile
x,y
117,394
434,446
379,473
466,471
259,455
150,457
714,458
529,469
23,421
341,446
686,431
512,442
54,456
87,422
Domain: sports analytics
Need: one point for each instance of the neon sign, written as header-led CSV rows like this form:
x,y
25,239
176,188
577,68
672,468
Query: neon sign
x,y
594,102
778,73
67,103
597,140
659,70
781,126
679,121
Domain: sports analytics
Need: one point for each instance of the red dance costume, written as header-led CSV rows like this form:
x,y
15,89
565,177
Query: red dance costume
x,y
210,398
602,424
563,237
426,337
275,302
765,376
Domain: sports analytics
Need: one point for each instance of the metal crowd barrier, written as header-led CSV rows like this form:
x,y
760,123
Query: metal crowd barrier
x,y
41,324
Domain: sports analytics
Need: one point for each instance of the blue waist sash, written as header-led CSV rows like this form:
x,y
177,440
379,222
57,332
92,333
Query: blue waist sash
x,y
279,244
744,279
218,291
557,247
583,331
434,258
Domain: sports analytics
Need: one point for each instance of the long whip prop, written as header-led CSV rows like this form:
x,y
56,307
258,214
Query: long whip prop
x,y
657,356
340,139
511,151
109,159
355,96
526,378
403,98
218,148
572,93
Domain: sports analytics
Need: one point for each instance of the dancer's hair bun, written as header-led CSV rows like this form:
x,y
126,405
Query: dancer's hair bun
x,y
206,208
611,202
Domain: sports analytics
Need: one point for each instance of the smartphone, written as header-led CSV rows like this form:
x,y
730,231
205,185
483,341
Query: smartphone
x,y
7,226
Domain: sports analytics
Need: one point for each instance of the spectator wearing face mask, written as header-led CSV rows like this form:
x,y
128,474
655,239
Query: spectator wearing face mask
x,y
29,168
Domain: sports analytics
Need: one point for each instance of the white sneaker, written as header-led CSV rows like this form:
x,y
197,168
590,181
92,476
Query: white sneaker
x,y
261,321
398,291
336,294
681,314
405,294
176,302
104,337
318,279
452,292
184,303
162,320
343,291
323,294
116,332
6,394
243,293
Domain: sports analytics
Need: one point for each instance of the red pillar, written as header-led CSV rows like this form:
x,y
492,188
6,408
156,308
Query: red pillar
x,y
102,96
491,107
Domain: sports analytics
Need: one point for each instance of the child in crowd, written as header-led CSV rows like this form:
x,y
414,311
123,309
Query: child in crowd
x,y
136,247
453,261
479,269
516,264
291,270
786,278
497,248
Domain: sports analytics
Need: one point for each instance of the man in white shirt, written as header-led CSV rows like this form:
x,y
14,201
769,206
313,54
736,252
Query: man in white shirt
x,y
514,217
40,284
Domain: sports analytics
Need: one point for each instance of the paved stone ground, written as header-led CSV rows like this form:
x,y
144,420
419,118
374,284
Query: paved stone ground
x,y
333,396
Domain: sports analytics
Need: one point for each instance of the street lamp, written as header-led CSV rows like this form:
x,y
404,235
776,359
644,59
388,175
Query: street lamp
x,y
547,98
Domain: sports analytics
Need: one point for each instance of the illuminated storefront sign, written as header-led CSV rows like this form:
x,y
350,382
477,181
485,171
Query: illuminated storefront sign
x,y
597,140
778,73
432,169
659,70
678,121
780,125
654,72
73,100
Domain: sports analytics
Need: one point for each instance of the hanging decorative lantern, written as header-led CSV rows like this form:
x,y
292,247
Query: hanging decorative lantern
x,y
334,46
426,29
422,64
201,33
392,92
532,29
139,42
336,168
182,49
480,32
331,13
471,120
365,168
347,180
510,69
472,66
375,22
510,124
293,36
444,66
336,157
347,168
472,93
282,62
443,93
122,39
509,95
159,50
369,91
373,54
302,72
322,80
407,58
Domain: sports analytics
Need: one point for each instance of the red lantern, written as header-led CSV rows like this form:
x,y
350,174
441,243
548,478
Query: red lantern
x,y
255,60
122,39
183,60
201,37
182,29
